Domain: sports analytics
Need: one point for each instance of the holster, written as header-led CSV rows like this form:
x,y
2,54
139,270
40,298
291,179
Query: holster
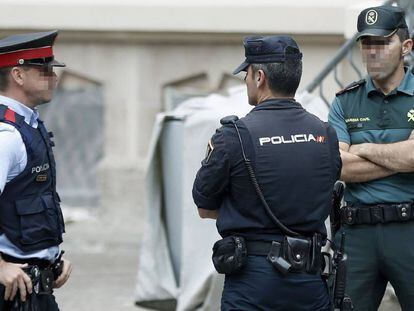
x,y
42,279
229,255
316,262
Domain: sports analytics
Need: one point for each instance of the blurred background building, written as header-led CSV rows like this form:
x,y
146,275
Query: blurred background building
x,y
128,60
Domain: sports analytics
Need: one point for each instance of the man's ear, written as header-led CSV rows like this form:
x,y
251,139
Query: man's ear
x,y
407,46
260,78
17,75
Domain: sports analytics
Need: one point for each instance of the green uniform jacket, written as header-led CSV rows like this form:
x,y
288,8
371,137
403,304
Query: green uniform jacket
x,y
362,114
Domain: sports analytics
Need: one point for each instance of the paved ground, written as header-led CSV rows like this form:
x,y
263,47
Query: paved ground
x,y
105,257
104,252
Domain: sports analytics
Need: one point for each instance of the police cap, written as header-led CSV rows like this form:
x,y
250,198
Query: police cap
x,y
29,49
381,21
268,49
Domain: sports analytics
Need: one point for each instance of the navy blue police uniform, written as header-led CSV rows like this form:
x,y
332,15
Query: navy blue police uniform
x,y
30,214
31,220
296,161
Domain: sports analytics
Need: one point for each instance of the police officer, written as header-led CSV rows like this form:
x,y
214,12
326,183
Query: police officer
x,y
31,222
374,120
268,179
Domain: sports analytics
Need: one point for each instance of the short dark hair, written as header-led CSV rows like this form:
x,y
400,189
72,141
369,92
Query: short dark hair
x,y
4,78
282,78
403,34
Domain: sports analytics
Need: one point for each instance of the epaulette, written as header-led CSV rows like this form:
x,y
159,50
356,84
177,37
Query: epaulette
x,y
351,86
229,120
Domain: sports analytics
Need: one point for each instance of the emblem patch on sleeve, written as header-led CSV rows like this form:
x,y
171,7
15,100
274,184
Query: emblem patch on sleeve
x,y
210,148
410,115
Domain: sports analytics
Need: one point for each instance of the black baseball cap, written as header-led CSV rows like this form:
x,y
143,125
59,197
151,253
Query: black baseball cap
x,y
268,49
380,21
34,49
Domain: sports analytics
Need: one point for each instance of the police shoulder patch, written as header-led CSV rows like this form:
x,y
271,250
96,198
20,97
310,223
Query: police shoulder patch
x,y
351,86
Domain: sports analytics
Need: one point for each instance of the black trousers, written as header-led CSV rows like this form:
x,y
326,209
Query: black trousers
x,y
45,302
259,287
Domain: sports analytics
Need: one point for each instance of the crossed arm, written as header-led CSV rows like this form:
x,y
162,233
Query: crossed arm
x,y
368,161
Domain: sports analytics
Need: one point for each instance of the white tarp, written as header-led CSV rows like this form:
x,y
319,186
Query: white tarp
x,y
182,269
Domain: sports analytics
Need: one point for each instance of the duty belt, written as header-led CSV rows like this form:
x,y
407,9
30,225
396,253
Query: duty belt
x,y
378,213
40,272
259,248
291,255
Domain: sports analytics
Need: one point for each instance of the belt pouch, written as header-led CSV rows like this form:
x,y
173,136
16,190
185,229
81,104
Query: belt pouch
x,y
229,255
349,214
278,262
297,252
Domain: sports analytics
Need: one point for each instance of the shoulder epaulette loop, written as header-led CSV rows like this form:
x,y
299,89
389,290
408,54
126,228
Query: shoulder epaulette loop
x,y
229,120
351,86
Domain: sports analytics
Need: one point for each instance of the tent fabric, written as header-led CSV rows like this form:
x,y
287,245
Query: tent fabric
x,y
198,286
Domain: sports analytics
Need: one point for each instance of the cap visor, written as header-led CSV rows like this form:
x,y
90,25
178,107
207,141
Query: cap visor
x,y
242,67
372,32
56,63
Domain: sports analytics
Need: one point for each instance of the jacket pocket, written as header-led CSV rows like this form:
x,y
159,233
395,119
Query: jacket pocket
x,y
38,219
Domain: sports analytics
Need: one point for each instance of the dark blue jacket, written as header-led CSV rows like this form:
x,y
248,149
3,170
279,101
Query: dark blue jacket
x,y
296,159
30,213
